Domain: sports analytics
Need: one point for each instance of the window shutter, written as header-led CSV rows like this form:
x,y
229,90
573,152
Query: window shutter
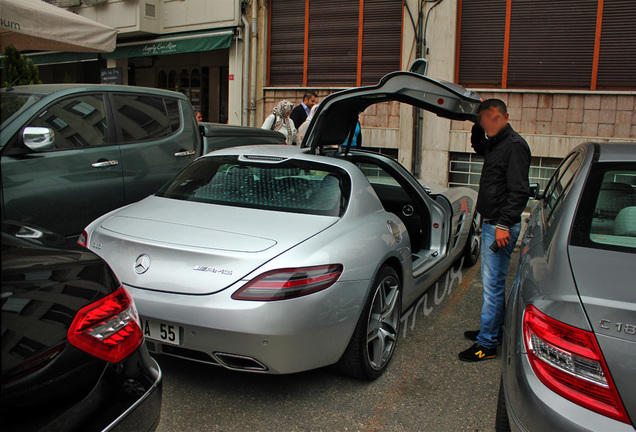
x,y
333,43
481,42
617,57
552,43
381,40
287,44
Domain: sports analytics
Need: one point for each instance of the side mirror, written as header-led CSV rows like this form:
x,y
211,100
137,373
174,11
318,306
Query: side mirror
x,y
419,66
535,191
38,138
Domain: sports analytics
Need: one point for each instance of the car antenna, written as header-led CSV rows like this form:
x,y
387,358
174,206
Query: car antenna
x,y
10,86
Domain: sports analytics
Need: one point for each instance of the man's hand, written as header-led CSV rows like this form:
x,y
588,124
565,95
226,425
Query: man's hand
x,y
502,237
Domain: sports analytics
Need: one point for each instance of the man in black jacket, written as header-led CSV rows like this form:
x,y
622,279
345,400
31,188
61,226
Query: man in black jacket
x,y
300,113
503,193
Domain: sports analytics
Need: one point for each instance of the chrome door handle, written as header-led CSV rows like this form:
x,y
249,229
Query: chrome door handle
x,y
184,153
105,164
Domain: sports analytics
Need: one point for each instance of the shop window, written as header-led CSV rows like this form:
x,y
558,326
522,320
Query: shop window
x,y
162,80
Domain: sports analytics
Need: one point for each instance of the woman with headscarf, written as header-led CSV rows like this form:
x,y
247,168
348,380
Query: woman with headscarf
x,y
279,121
302,129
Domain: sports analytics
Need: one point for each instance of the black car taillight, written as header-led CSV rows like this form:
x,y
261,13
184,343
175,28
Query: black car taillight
x,y
289,283
108,328
569,361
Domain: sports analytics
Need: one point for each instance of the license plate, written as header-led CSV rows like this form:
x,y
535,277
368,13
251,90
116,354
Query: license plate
x,y
156,330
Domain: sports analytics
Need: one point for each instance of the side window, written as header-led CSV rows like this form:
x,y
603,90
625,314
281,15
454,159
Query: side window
x,y
142,117
77,122
560,185
376,174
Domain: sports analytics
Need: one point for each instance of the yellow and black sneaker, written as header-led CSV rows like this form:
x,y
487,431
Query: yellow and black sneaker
x,y
477,353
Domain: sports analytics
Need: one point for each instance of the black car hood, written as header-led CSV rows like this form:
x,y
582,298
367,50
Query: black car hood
x,y
338,113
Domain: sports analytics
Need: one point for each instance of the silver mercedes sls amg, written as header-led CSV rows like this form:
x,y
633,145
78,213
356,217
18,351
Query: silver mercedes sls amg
x,y
281,259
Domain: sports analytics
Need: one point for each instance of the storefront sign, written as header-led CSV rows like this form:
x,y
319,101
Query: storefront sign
x,y
111,75
159,48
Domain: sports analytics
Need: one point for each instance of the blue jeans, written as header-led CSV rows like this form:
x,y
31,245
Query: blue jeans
x,y
494,269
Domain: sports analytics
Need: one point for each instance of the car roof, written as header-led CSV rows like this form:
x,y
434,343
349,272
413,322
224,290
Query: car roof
x,y
616,152
47,89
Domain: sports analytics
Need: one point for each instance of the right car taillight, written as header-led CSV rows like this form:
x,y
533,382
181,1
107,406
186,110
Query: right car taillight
x,y
108,328
569,361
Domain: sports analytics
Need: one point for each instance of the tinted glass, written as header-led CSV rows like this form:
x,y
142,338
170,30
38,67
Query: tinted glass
x,y
606,217
11,103
77,122
142,117
376,174
560,185
289,186
174,114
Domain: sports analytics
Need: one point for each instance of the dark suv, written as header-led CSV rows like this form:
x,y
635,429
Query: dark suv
x,y
71,153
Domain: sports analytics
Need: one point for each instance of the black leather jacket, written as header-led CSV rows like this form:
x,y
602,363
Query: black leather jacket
x,y
504,186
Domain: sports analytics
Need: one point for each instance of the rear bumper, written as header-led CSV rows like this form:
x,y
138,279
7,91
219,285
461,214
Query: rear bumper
x,y
532,406
278,337
144,414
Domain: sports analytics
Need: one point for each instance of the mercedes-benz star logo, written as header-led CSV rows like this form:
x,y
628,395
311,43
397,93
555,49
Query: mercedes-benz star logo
x,y
142,264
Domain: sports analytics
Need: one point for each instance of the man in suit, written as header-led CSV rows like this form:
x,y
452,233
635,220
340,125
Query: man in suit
x,y
300,113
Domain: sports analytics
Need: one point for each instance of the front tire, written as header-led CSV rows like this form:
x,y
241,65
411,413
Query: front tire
x,y
472,250
374,339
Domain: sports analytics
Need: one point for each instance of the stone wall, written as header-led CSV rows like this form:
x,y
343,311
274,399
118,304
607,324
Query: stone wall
x,y
555,122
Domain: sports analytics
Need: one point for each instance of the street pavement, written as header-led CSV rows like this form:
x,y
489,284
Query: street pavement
x,y
426,387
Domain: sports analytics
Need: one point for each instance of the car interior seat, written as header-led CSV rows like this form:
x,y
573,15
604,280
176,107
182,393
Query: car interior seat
x,y
625,224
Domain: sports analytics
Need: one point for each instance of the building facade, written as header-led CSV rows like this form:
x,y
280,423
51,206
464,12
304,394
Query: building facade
x,y
566,68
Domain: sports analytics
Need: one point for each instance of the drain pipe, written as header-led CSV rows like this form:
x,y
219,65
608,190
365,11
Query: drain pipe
x,y
252,106
246,66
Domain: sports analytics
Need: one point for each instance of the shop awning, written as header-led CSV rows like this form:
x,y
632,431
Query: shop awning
x,y
174,44
49,58
31,25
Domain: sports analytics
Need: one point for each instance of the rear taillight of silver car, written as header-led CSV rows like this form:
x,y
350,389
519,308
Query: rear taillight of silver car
x,y
569,361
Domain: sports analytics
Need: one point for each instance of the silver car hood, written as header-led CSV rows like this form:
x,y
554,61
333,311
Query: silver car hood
x,y
605,282
197,248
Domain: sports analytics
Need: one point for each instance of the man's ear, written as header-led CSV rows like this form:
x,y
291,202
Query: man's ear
x,y
506,116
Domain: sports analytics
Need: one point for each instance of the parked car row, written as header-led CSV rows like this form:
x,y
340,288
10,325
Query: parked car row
x,y
314,251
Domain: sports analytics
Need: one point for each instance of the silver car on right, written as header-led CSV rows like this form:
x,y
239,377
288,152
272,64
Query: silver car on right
x,y
569,346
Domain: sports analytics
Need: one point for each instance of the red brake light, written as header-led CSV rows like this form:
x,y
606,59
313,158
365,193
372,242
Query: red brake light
x,y
108,328
289,283
569,361
83,239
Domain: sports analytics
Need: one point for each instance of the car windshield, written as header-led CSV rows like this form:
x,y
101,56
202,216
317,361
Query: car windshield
x,y
606,218
263,183
11,103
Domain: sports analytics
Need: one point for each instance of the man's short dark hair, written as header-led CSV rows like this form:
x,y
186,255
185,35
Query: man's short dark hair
x,y
493,103
309,94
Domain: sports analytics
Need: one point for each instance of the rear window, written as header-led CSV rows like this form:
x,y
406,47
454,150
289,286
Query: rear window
x,y
289,185
606,218
144,117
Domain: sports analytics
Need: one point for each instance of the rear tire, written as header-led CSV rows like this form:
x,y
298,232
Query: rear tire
x,y
502,423
374,339
472,249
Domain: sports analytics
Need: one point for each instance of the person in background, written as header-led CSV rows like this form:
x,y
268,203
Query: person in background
x,y
198,116
279,121
302,111
504,188
302,130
